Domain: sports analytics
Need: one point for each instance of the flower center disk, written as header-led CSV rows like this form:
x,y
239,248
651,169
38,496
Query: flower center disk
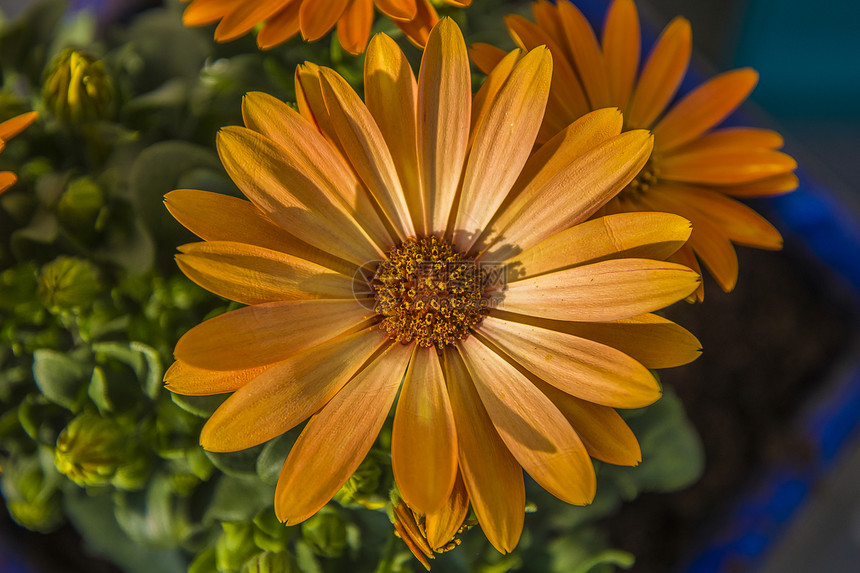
x,y
429,293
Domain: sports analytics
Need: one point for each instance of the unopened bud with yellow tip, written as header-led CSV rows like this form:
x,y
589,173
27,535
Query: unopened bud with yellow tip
x,y
97,451
362,486
78,88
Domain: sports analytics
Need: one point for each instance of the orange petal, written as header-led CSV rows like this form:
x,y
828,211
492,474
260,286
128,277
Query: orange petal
x,y
567,97
735,137
12,127
294,187
503,142
482,102
709,241
535,432
317,18
366,150
418,29
353,28
311,103
547,17
7,179
282,26
577,366
587,57
202,12
217,217
188,380
254,275
443,524
245,16
288,393
651,340
771,186
563,195
398,9
704,107
622,235
266,333
444,107
740,223
661,75
493,478
336,440
486,56
725,165
621,50
608,290
423,442
605,434
390,91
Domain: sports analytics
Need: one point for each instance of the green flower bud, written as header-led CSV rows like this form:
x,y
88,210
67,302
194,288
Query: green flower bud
x,y
80,205
235,546
361,488
78,88
68,283
96,451
270,562
269,533
31,501
325,532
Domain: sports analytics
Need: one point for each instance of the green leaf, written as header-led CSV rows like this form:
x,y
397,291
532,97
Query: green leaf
x,y
93,517
242,463
98,391
238,498
151,382
158,170
672,453
60,378
155,516
200,406
306,559
274,454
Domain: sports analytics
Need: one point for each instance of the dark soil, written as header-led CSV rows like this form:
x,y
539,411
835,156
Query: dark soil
x,y
767,347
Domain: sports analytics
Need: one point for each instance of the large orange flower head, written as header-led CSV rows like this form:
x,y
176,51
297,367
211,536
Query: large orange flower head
x,y
696,171
283,19
9,129
409,243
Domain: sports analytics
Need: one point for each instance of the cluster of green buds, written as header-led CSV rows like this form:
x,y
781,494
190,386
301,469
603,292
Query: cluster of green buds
x,y
254,546
96,451
78,88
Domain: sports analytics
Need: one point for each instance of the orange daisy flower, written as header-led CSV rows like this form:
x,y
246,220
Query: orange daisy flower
x,y
9,129
695,171
412,243
283,19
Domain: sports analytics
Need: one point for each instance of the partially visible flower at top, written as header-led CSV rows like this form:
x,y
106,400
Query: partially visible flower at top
x,y
695,170
9,129
283,19
78,88
414,238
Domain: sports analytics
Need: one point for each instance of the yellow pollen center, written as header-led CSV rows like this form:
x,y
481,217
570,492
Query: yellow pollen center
x,y
646,178
428,293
